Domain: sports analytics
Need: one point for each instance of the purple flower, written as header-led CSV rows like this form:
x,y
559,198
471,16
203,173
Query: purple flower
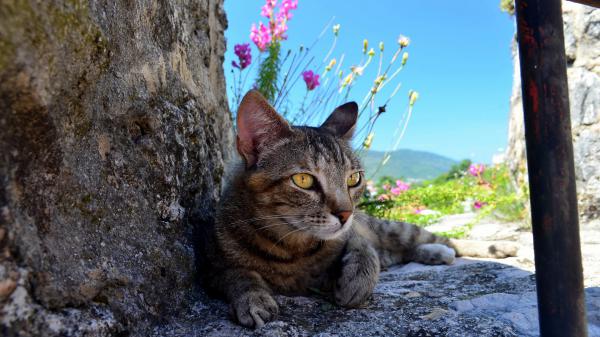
x,y
479,204
476,169
311,79
244,55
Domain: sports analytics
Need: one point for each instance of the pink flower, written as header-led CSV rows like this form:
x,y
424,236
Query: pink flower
x,y
285,9
261,36
311,80
400,187
283,16
275,31
417,211
476,169
267,9
244,55
288,5
386,187
479,204
280,29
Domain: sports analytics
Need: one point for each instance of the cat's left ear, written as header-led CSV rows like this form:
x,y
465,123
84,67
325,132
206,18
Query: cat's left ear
x,y
342,120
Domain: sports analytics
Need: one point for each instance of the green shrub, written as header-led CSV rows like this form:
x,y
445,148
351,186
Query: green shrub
x,y
489,193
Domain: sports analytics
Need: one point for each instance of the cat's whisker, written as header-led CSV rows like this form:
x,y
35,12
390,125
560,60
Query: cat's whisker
x,y
281,224
267,226
293,222
268,217
288,234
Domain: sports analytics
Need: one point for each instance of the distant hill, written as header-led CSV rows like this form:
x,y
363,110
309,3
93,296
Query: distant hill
x,y
410,164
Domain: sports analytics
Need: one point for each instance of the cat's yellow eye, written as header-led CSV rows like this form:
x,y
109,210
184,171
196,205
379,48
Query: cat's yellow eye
x,y
303,180
353,179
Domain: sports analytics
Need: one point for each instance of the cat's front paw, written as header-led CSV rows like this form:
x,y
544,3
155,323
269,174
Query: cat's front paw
x,y
254,308
360,273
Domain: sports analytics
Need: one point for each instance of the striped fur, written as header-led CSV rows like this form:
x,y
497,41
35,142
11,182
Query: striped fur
x,y
272,236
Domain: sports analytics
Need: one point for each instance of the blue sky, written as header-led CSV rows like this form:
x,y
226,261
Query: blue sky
x,y
459,62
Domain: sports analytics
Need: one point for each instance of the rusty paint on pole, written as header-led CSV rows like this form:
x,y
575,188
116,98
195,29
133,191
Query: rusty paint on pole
x,y
559,275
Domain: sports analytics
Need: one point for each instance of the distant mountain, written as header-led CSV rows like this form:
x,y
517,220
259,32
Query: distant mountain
x,y
409,164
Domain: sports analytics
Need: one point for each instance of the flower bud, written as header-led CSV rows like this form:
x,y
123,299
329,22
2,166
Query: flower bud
x,y
412,97
371,52
330,65
336,29
368,141
379,79
365,45
381,46
403,41
347,80
404,58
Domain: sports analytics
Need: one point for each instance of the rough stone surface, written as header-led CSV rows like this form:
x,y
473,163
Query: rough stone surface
x,y
582,46
489,229
114,128
469,298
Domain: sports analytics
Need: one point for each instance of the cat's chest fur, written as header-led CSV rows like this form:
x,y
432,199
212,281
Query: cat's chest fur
x,y
291,266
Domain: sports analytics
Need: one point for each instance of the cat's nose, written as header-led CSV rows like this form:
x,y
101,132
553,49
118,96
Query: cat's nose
x,y
343,216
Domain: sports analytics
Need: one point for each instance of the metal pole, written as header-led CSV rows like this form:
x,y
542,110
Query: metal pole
x,y
559,275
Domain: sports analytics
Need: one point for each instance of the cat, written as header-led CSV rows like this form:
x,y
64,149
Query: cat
x,y
287,222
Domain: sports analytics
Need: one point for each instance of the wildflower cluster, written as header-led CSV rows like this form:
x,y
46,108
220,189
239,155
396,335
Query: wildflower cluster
x,y
328,83
275,30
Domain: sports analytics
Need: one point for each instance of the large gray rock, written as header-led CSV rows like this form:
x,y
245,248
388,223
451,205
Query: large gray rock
x,y
114,128
582,46
469,298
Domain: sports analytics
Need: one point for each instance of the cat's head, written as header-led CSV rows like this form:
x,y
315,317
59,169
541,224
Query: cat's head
x,y
306,176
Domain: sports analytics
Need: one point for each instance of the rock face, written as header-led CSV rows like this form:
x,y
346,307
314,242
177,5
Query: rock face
x,y
582,45
114,128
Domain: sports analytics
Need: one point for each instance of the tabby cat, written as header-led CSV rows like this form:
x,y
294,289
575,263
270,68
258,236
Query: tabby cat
x,y
288,222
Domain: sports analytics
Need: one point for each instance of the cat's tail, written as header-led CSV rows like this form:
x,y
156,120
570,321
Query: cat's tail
x,y
400,242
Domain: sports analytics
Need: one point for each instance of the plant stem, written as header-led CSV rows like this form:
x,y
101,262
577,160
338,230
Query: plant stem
x,y
268,72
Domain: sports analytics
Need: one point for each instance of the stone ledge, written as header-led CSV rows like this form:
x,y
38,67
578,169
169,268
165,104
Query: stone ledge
x,y
469,298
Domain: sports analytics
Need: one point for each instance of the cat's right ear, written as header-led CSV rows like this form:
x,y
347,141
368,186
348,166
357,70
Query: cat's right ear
x,y
258,124
342,120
